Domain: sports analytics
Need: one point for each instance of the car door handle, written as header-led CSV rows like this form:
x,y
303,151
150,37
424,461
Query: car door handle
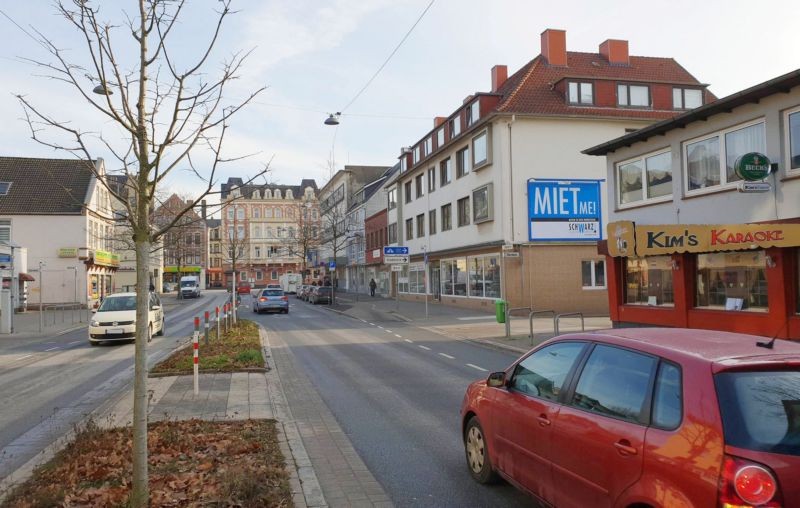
x,y
543,420
625,448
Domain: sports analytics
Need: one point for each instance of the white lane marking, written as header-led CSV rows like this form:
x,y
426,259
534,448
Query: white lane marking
x,y
387,331
398,336
74,342
447,356
23,357
426,348
362,320
476,367
409,341
379,326
52,348
373,324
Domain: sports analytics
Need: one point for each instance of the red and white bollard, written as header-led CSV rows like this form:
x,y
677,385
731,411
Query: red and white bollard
x,y
216,319
196,352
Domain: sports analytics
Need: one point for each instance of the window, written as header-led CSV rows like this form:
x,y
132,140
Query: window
x,y
480,150
455,126
648,281
257,252
240,213
483,204
793,133
391,198
462,162
242,276
420,185
668,397
256,213
429,145
230,213
278,213
432,222
409,229
431,179
416,278
703,158
273,275
593,274
543,373
407,189
268,212
614,382
649,177
420,225
580,93
392,233
473,113
4,188
732,280
403,163
463,211
240,232
484,276
686,98
440,138
416,154
259,275
445,172
447,219
635,96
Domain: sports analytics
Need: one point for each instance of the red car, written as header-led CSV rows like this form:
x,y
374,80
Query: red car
x,y
640,418
243,288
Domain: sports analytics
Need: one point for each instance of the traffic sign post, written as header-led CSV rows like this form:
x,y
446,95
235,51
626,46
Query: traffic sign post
x,y
390,260
397,268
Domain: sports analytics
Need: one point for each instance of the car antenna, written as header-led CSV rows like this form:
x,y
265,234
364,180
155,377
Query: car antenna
x,y
771,343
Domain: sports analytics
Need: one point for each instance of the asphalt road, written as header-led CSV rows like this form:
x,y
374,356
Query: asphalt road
x,y
396,391
48,384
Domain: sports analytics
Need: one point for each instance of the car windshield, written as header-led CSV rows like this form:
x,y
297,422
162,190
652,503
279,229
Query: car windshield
x,y
761,410
117,303
324,289
272,292
187,283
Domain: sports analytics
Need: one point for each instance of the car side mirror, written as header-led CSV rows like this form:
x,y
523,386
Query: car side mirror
x,y
496,380
94,310
155,307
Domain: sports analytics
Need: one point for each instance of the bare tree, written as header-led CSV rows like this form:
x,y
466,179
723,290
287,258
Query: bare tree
x,y
235,236
306,238
334,236
171,116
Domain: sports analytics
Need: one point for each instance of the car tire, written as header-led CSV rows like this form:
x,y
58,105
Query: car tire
x,y
94,343
150,333
476,451
163,328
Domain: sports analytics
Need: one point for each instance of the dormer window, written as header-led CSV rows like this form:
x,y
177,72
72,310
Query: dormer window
x,y
579,92
277,194
440,138
289,194
267,194
686,98
403,163
416,154
633,96
429,146
473,113
455,127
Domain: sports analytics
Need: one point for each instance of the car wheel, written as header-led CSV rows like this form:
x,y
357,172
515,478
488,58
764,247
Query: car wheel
x,y
150,333
94,343
163,328
255,311
477,453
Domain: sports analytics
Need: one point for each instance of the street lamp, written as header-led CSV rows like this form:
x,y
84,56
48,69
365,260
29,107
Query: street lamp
x,y
102,89
333,119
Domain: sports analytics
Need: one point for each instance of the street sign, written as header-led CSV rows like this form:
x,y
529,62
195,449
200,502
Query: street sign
x,y
332,265
395,251
509,254
390,260
748,187
397,268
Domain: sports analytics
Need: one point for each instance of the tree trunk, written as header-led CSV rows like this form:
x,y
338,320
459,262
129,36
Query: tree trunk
x,y
234,293
140,492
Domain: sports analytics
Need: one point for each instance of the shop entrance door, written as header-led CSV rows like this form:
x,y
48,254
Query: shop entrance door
x,y
435,283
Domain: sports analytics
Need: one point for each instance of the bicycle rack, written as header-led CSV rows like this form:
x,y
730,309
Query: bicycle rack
x,y
534,313
508,318
558,317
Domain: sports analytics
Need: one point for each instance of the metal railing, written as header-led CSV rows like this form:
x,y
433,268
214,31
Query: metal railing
x,y
558,318
534,313
508,318
50,311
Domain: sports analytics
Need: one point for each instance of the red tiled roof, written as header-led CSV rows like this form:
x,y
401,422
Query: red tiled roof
x,y
530,90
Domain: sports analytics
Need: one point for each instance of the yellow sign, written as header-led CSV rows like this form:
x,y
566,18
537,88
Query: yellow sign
x,y
184,269
627,239
68,252
104,258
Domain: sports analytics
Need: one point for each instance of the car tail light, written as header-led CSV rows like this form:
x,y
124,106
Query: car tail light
x,y
744,484
262,299
285,298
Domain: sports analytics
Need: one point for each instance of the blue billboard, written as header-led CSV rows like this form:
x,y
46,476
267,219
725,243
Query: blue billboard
x,y
564,210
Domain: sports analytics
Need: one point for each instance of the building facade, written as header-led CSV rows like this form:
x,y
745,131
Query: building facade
x,y
692,241
375,238
268,230
465,193
214,275
185,244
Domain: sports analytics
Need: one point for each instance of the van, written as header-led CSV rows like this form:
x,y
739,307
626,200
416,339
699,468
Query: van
x,y
190,286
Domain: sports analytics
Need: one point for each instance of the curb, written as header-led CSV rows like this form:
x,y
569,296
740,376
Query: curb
x,y
302,474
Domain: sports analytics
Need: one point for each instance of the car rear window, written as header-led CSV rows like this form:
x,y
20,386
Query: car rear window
x,y
761,410
324,289
272,292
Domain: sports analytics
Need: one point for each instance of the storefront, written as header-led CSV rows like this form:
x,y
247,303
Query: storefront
x,y
100,270
738,277
173,275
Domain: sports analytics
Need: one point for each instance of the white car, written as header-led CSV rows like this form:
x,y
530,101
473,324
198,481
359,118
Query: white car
x,y
115,320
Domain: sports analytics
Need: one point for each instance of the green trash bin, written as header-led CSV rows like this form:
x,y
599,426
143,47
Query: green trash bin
x,y
500,310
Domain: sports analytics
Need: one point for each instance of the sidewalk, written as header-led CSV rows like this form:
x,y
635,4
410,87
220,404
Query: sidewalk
x,y
463,324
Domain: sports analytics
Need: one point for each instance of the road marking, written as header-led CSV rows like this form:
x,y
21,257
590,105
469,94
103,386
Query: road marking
x,y
379,326
373,324
398,336
409,341
426,348
74,342
476,367
52,348
23,357
387,331
447,356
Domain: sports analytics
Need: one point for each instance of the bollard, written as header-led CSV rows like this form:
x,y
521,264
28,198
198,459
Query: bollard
x,y
196,354
216,320
206,328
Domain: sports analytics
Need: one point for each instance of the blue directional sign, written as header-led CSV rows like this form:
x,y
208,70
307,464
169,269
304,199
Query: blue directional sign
x,y
564,210
332,265
395,251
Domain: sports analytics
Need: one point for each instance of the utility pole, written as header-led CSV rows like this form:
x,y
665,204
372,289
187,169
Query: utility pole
x,y
41,290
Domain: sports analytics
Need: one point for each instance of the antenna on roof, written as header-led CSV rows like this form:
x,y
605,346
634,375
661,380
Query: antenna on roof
x,y
767,345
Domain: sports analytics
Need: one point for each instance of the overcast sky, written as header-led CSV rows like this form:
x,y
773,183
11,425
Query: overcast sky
x,y
315,55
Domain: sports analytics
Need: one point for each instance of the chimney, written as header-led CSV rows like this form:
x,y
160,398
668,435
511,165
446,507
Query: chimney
x,y
203,209
554,47
499,76
439,120
615,51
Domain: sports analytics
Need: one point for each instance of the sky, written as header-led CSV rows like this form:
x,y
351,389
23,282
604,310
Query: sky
x,y
314,56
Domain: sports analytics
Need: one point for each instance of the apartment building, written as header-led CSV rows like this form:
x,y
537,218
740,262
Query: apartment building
x,y
184,245
268,230
214,276
705,216
498,193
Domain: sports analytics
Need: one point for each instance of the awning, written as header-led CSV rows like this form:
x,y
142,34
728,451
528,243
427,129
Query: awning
x,y
24,277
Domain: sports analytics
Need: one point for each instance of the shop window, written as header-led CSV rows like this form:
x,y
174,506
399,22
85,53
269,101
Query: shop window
x,y
793,144
593,274
484,276
646,178
686,98
416,278
402,280
648,281
732,281
704,158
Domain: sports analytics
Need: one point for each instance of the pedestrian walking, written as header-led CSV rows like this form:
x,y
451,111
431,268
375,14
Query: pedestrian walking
x,y
372,286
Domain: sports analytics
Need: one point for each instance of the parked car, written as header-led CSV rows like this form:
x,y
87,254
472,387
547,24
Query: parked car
x,y
320,294
243,288
300,289
115,319
275,286
271,300
644,418
168,287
